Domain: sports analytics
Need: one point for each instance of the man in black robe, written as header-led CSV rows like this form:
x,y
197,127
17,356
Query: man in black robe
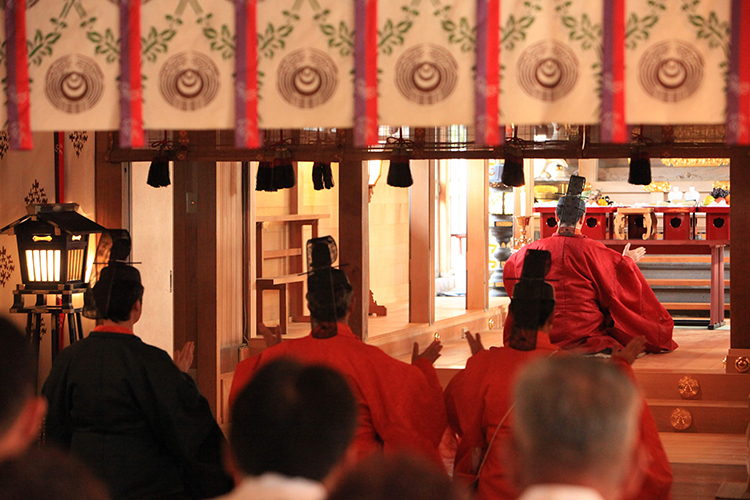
x,y
128,411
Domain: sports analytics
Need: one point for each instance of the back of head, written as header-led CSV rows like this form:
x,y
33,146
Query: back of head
x,y
293,420
533,300
396,477
329,294
118,289
575,417
44,473
16,373
571,207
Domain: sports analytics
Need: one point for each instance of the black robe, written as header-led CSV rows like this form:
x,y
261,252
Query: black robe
x,y
126,410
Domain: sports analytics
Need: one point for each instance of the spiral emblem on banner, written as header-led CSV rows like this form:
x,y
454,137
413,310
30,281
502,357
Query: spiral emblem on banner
x,y
189,80
671,71
307,78
547,70
74,83
426,74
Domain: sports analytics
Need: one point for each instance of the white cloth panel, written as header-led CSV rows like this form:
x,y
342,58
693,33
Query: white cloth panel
x,y
676,59
425,62
550,61
306,64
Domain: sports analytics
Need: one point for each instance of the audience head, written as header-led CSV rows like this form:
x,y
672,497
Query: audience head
x,y
576,423
397,476
117,291
293,420
329,294
533,301
43,473
21,410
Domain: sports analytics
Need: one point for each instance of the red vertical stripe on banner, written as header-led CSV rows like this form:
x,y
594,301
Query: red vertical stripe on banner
x,y
619,128
371,72
22,77
136,96
492,135
743,136
252,134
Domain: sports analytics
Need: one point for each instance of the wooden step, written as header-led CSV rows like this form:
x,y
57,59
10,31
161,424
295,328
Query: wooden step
x,y
682,282
690,306
727,418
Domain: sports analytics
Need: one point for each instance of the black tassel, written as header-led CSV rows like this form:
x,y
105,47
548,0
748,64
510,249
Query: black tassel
x,y
513,170
640,169
158,172
284,176
317,175
264,178
399,173
327,176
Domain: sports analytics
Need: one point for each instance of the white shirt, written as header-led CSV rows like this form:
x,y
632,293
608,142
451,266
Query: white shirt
x,y
560,492
272,486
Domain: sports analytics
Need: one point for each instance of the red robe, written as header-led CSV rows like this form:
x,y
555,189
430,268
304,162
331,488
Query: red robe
x,y
400,405
602,299
478,398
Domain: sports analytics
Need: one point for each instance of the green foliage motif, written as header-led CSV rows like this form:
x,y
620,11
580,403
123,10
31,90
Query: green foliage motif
x,y
461,32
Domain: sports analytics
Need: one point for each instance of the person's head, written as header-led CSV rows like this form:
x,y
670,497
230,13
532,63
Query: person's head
x,y
329,295
576,423
293,420
533,302
118,293
21,410
44,473
397,476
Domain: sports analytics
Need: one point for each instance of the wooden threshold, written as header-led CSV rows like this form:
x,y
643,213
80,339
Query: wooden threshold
x,y
690,306
682,282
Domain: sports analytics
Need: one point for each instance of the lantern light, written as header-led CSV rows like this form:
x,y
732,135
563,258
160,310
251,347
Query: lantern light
x,y
53,241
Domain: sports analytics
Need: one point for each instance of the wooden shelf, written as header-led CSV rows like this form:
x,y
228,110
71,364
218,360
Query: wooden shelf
x,y
281,280
304,218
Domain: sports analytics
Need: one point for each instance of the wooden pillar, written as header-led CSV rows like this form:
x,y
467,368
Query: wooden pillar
x,y
108,183
477,236
422,242
354,239
740,250
195,270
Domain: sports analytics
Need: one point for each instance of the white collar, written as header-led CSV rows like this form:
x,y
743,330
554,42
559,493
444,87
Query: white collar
x,y
296,488
560,492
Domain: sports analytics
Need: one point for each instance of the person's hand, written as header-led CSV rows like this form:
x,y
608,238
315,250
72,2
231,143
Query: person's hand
x,y
475,343
272,337
431,353
632,350
635,254
183,358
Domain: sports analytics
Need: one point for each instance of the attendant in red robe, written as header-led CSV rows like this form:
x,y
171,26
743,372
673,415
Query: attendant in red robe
x,y
400,405
602,299
479,401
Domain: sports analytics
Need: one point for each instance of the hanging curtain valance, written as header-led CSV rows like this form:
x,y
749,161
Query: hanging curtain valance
x,y
262,64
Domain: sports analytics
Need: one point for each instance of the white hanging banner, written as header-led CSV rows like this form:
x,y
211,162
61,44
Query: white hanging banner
x,y
425,62
306,64
551,62
677,55
73,64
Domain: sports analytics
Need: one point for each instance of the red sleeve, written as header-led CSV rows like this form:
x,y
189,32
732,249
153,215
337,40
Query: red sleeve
x,y
242,375
632,306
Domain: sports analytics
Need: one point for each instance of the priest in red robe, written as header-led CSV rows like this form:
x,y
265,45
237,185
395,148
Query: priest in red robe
x,y
480,407
602,299
400,405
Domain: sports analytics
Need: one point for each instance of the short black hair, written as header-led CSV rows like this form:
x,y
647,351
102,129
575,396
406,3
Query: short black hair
x,y
16,373
42,473
396,476
293,420
118,289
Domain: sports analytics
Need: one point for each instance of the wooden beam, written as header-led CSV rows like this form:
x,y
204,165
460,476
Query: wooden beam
x,y
421,242
354,242
740,214
108,183
195,270
477,236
